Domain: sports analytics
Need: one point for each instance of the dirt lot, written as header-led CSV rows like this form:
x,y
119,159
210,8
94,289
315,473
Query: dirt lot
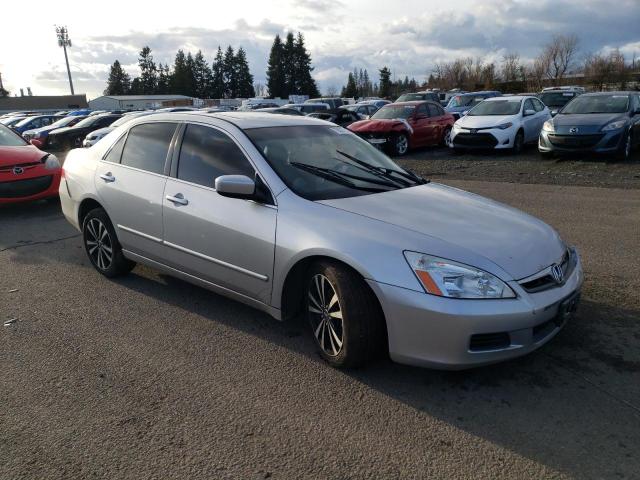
x,y
529,167
150,377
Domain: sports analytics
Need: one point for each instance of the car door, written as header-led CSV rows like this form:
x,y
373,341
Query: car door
x,y
130,182
229,242
440,122
423,128
542,114
530,122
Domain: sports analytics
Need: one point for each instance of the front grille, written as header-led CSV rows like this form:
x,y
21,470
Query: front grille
x,y
575,141
547,281
480,140
481,342
25,188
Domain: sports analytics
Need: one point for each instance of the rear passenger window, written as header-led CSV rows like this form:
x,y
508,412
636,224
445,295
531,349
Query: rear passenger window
x,y
207,153
116,151
147,146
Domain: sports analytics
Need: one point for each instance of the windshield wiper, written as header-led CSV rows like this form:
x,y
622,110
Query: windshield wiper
x,y
387,172
335,177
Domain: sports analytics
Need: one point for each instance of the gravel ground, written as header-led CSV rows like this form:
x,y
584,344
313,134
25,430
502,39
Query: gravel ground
x,y
150,377
528,167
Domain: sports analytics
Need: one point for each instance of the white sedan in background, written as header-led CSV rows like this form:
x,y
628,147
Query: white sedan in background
x,y
506,122
92,138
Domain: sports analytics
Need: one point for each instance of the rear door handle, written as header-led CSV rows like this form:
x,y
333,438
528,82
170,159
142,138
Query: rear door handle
x,y
108,177
178,199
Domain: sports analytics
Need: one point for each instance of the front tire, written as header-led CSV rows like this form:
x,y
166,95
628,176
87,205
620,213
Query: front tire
x,y
518,143
400,144
624,154
344,315
102,246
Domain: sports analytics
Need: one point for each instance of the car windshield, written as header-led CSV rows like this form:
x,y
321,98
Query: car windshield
x,y
556,99
394,111
323,162
464,101
87,122
496,107
409,97
25,121
597,104
9,139
63,122
11,120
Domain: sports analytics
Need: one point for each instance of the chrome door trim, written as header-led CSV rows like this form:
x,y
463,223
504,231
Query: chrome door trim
x,y
250,273
140,234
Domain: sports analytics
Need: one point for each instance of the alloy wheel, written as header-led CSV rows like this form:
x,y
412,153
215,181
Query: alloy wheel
x,y
325,315
402,144
99,244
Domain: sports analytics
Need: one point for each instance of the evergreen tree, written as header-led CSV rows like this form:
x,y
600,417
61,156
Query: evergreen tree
x,y
243,75
351,89
202,76
163,79
367,84
179,79
275,70
304,82
385,82
148,72
229,73
118,83
136,87
217,75
290,67
3,92
190,76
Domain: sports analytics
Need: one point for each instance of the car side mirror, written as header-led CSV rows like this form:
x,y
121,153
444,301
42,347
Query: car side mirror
x,y
36,143
236,186
528,113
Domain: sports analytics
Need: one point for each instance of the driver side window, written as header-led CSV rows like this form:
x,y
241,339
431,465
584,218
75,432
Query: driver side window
x,y
528,105
422,111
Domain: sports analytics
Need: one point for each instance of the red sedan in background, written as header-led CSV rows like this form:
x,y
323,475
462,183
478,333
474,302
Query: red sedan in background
x,y
398,127
26,173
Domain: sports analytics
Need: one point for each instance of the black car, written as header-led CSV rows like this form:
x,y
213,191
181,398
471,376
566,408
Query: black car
x,y
596,122
338,116
71,137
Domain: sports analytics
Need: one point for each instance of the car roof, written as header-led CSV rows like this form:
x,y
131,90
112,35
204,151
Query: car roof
x,y
593,94
507,97
411,103
242,120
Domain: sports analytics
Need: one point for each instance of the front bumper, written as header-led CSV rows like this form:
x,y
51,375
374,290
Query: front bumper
x,y
35,185
484,139
601,142
444,333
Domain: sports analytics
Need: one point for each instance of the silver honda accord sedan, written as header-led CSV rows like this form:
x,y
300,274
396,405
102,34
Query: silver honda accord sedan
x,y
299,217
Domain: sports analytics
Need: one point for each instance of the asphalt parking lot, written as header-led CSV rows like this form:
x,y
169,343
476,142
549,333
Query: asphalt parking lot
x,y
150,377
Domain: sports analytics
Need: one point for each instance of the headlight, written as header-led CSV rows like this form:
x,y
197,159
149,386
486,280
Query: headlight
x,y
37,135
614,125
456,127
548,126
51,163
446,278
504,126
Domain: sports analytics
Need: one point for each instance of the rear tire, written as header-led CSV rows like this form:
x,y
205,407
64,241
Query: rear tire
x,y
446,138
345,317
102,246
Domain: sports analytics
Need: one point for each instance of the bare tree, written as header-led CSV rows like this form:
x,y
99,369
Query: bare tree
x,y
560,52
332,91
260,89
602,69
510,67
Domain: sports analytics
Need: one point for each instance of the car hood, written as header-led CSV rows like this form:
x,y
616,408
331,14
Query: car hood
x,y
483,121
516,242
381,125
10,156
590,122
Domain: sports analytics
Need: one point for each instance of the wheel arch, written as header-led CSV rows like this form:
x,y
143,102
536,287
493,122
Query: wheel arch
x,y
85,207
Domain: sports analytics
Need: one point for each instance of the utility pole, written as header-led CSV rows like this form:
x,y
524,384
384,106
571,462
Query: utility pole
x,y
64,41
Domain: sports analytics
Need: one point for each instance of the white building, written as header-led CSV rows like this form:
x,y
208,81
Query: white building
x,y
139,102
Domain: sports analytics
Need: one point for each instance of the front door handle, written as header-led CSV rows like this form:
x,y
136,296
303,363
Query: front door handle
x,y
178,199
108,177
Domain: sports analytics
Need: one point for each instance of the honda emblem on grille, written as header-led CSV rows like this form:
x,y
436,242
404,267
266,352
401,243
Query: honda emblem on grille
x,y
573,130
18,170
557,273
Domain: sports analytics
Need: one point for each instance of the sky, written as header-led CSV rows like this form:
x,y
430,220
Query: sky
x,y
408,36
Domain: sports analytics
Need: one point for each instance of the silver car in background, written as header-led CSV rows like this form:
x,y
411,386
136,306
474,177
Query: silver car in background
x,y
294,215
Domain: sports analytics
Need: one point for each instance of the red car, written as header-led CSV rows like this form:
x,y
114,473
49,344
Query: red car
x,y
398,127
26,173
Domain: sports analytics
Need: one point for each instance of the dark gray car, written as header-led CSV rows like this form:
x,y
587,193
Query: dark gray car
x,y
596,122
